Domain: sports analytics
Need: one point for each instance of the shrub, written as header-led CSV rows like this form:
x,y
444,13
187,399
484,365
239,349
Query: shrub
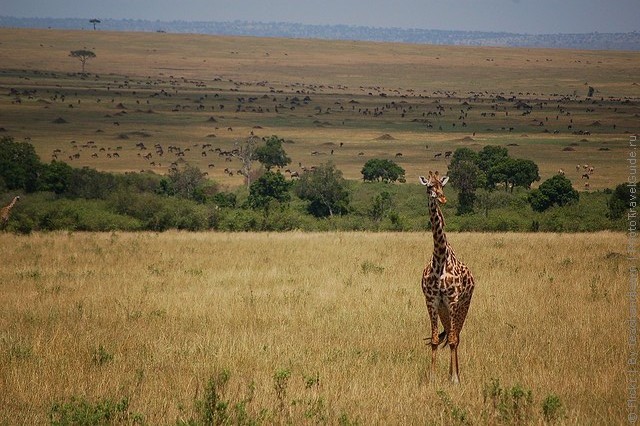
x,y
187,182
55,177
552,408
79,411
619,201
19,165
270,186
556,190
382,170
225,199
239,220
212,409
512,406
90,184
325,189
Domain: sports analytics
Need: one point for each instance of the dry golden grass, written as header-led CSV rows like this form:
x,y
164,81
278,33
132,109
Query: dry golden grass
x,y
170,310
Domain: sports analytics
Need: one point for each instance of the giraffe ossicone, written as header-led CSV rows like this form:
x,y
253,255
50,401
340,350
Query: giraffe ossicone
x,y
447,283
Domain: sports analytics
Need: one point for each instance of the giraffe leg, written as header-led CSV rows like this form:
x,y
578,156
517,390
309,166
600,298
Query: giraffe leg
x,y
432,373
443,313
454,375
457,321
435,339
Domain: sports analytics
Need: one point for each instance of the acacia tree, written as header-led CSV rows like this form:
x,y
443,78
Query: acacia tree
x,y
272,154
326,190
555,190
466,177
187,182
19,165
489,156
272,186
83,56
513,172
378,169
94,22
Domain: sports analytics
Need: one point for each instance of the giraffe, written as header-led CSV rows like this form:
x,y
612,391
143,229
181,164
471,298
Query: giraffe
x,y
447,283
6,211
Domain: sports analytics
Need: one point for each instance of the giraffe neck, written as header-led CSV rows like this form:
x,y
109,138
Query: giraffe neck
x,y
4,213
13,202
440,242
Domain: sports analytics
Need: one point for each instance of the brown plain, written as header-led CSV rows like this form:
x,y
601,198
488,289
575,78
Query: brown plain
x,y
164,89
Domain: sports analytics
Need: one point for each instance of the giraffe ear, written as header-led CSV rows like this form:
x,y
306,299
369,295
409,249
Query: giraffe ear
x,y
424,180
444,180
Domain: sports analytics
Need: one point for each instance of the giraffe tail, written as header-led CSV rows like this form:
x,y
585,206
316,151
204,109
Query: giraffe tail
x,y
442,338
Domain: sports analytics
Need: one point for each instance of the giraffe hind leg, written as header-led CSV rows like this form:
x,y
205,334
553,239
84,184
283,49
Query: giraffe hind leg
x,y
454,375
443,313
442,339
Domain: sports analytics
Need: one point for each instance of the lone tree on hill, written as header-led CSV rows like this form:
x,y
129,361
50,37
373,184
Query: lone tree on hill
x,y
94,22
83,55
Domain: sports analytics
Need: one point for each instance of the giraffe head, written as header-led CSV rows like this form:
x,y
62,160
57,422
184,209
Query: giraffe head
x,y
434,183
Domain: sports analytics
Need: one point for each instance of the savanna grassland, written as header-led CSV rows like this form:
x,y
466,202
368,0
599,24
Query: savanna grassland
x,y
150,101
307,328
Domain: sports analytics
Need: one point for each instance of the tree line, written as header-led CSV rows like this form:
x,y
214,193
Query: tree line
x,y
63,197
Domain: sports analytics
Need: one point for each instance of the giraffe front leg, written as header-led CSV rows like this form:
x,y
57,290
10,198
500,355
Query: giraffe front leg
x,y
454,340
453,366
434,353
435,340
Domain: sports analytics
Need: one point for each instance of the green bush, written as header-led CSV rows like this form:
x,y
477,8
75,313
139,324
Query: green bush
x,y
619,201
552,408
79,411
556,190
239,220
508,405
19,165
383,170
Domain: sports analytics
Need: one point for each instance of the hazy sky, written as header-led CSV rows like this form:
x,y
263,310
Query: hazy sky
x,y
520,16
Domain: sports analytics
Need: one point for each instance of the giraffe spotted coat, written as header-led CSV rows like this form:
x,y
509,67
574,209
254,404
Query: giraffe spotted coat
x,y
447,283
